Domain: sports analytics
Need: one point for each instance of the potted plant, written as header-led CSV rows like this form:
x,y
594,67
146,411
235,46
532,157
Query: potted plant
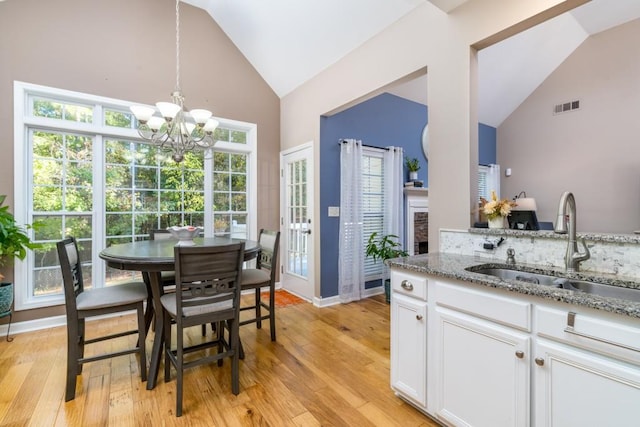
x,y
384,248
413,166
14,243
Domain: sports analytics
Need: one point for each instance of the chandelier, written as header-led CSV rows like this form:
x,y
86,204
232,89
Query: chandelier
x,y
175,129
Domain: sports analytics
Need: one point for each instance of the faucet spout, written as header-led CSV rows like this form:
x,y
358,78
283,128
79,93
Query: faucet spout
x,y
573,256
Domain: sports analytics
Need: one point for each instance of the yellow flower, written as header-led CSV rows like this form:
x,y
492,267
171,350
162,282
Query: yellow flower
x,y
496,208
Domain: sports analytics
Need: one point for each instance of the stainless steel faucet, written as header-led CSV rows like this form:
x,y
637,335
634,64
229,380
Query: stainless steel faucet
x,y
573,257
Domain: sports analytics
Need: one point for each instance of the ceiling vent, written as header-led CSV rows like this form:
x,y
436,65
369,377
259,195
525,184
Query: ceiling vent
x,y
565,107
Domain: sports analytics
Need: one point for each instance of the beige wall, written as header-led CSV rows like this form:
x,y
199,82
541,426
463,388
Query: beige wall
x,y
593,152
125,49
425,37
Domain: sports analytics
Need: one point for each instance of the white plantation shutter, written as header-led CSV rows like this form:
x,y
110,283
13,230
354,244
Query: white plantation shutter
x,y
483,190
372,205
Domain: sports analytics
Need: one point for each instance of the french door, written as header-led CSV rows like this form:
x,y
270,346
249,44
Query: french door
x,y
297,232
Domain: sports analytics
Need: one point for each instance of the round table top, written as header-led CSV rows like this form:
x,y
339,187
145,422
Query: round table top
x,y
158,255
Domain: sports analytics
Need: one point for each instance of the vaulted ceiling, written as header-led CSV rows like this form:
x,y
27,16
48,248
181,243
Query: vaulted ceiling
x,y
289,42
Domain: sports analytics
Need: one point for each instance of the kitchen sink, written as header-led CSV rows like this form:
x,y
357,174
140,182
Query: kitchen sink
x,y
587,287
523,276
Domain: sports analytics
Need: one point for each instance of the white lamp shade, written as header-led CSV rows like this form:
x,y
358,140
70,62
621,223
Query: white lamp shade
x,y
142,113
168,109
187,128
525,204
200,116
211,125
155,123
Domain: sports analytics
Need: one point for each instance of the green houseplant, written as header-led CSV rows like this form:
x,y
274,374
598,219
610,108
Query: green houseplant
x,y
413,166
384,248
14,243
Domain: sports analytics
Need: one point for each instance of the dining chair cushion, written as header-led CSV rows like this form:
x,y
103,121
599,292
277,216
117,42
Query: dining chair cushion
x,y
254,276
169,304
124,294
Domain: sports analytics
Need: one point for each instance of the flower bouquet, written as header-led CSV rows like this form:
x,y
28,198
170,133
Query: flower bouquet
x,y
496,210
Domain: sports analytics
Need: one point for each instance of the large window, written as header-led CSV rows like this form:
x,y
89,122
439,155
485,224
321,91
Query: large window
x,y
372,205
83,171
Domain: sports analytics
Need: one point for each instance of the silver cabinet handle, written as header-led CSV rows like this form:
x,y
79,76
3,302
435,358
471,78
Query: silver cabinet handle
x,y
406,285
519,354
539,361
571,320
419,316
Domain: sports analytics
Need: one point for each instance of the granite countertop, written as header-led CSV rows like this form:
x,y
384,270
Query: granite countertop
x,y
453,267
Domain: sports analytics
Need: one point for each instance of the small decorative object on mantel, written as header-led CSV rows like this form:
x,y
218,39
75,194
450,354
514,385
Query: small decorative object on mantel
x,y
413,166
496,210
416,183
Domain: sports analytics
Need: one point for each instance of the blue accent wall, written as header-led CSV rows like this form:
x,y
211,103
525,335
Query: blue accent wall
x,y
380,122
486,144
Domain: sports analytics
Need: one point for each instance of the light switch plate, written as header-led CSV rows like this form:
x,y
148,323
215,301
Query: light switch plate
x,y
334,211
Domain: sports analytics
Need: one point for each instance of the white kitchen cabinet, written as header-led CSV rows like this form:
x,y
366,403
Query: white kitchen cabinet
x,y
409,348
489,357
580,388
482,372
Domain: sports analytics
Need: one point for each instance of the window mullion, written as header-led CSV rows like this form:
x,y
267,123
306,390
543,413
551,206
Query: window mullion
x,y
98,215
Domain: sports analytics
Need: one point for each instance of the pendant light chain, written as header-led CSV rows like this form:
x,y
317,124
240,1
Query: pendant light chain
x,y
174,129
178,45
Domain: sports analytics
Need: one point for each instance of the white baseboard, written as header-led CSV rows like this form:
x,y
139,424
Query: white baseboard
x,y
33,325
334,300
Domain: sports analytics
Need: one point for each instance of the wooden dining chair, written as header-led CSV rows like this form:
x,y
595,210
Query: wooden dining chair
x,y
263,276
82,304
207,291
168,277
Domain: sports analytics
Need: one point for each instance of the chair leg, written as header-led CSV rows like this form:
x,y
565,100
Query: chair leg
x,y
234,343
258,309
179,370
220,339
80,343
167,347
72,360
272,312
142,337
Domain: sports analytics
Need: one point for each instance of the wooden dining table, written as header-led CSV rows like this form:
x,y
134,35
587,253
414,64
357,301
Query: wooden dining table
x,y
151,257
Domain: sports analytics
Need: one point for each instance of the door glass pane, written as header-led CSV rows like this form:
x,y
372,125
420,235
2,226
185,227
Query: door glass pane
x,y
297,250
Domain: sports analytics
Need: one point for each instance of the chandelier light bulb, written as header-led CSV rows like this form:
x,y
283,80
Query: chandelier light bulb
x,y
169,110
155,123
211,125
200,116
142,113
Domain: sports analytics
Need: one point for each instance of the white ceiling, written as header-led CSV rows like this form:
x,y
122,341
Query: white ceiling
x,y
289,42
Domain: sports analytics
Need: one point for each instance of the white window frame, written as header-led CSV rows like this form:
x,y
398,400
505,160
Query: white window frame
x,y
23,177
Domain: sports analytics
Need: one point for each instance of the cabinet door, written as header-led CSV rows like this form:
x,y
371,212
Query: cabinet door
x,y
579,388
483,372
409,348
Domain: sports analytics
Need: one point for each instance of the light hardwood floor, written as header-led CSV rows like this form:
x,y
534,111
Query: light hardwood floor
x,y
329,367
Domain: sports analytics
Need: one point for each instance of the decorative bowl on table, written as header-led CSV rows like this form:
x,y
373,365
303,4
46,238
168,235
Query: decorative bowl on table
x,y
184,234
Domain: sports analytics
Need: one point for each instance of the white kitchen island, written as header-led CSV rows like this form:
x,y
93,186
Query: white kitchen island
x,y
473,350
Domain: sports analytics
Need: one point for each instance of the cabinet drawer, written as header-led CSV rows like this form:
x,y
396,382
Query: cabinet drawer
x,y
573,326
409,284
507,311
